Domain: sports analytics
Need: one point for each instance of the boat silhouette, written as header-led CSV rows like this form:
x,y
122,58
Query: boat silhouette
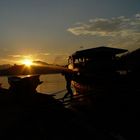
x,y
96,67
107,106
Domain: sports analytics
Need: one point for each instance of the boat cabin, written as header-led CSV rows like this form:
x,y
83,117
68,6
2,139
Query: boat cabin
x,y
99,58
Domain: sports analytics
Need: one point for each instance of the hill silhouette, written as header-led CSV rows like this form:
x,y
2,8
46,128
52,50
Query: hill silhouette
x,y
34,69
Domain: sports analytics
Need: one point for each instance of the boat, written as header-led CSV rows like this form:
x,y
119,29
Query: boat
x,y
25,84
27,114
96,68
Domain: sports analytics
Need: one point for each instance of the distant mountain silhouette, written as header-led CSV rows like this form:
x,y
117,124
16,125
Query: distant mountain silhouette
x,y
34,69
5,66
40,63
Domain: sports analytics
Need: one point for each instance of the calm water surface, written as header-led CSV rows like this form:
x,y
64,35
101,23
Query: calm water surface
x,y
52,83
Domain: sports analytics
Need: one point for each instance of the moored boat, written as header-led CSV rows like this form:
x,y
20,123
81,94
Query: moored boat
x,y
96,68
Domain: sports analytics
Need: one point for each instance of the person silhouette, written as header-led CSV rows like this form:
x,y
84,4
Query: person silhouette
x,y
68,78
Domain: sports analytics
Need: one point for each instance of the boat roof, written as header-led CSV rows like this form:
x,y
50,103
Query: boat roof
x,y
98,51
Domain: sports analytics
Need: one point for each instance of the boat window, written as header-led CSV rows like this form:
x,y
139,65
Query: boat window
x,y
76,61
70,60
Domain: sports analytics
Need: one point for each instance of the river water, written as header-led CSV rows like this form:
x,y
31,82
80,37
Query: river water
x,y
52,84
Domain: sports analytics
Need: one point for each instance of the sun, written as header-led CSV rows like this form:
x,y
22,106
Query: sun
x,y
27,62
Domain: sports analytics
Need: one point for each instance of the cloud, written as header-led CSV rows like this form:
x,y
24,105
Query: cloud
x,y
137,16
7,61
60,59
46,54
108,27
19,56
15,56
116,29
52,58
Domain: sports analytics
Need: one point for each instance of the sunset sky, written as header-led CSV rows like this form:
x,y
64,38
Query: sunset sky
x,y
50,30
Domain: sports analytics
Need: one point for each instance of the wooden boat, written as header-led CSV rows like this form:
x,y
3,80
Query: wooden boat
x,y
27,84
96,67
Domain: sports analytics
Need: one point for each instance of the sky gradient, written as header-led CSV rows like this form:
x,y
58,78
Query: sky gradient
x,y
50,30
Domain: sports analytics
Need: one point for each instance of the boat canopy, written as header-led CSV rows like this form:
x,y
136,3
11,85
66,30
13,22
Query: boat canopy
x,y
98,52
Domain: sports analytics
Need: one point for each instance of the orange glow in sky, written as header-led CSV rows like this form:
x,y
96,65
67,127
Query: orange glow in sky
x,y
27,62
